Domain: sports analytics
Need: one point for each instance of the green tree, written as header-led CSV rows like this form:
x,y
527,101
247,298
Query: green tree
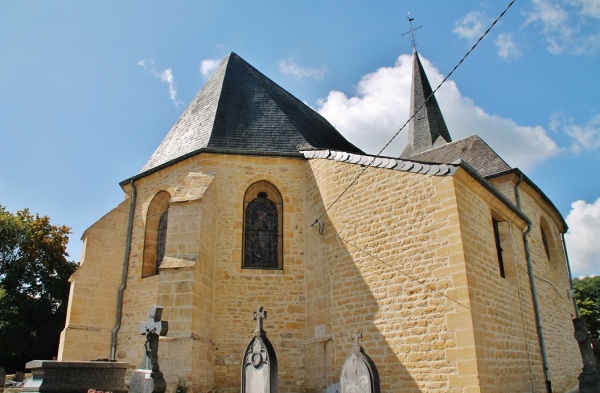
x,y
588,300
34,287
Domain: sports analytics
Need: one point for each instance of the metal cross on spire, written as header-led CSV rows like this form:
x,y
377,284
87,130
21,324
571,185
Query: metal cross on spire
x,y
412,31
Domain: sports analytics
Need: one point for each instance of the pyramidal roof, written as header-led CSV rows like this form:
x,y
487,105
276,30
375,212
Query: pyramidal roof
x,y
427,128
240,110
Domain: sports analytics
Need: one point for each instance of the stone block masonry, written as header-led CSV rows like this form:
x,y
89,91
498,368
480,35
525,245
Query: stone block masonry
x,y
408,259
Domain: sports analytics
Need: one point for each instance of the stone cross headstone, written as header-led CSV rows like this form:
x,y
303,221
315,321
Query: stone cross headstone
x,y
359,374
589,379
148,378
259,366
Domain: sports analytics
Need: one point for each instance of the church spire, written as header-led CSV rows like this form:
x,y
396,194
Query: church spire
x,y
427,128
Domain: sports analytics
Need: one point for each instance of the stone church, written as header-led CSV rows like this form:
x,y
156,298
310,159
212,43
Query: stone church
x,y
448,261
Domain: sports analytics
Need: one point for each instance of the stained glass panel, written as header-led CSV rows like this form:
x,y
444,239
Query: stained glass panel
x,y
261,233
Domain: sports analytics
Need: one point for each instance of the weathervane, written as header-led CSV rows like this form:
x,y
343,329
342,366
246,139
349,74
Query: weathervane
x,y
412,31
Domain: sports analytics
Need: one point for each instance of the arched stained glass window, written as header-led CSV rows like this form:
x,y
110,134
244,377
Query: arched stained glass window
x,y
263,227
155,237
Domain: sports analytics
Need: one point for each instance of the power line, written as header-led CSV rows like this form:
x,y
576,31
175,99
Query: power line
x,y
316,222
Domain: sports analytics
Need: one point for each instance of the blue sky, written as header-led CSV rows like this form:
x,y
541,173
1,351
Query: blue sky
x,y
89,89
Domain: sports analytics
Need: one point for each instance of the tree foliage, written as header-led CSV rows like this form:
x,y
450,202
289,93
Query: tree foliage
x,y
34,287
588,300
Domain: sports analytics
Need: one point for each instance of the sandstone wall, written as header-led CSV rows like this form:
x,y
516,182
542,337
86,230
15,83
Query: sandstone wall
x,y
208,298
551,282
390,264
91,314
407,259
505,335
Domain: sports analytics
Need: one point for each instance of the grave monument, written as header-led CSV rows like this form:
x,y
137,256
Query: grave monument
x,y
51,376
148,378
359,374
259,366
589,379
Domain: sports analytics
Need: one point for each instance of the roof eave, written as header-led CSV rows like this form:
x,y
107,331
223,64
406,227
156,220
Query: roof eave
x,y
530,183
174,161
494,191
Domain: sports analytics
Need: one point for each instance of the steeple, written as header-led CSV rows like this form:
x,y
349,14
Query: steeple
x,y
427,128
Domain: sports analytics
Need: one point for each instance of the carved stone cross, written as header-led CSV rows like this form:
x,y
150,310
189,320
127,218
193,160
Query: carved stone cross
x,y
259,315
259,365
150,379
154,324
589,379
357,336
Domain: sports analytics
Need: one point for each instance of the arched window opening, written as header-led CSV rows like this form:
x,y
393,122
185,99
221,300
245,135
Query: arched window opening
x,y
161,238
503,242
499,249
155,238
263,227
547,240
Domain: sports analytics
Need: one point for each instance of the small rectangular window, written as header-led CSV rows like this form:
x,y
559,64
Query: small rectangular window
x,y
498,247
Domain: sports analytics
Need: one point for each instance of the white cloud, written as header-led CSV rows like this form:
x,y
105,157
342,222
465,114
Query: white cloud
x,y
507,48
165,76
381,106
208,66
289,67
589,8
584,137
471,26
568,26
582,238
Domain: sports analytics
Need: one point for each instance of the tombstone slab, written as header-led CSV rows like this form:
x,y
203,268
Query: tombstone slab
x,y
259,366
51,376
359,374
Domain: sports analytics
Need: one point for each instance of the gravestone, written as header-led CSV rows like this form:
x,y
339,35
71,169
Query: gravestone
x,y
259,366
359,374
51,376
148,378
2,376
589,379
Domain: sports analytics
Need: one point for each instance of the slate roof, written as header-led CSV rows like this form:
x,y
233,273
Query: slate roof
x,y
240,110
427,128
471,149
